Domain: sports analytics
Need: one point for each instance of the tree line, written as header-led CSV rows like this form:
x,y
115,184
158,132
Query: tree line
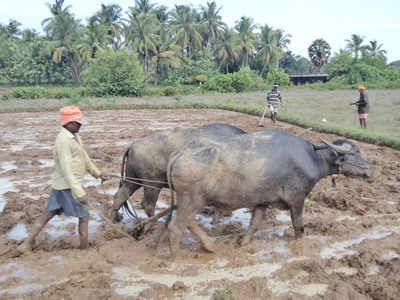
x,y
174,46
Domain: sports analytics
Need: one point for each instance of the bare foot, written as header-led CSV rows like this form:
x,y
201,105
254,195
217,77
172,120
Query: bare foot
x,y
25,248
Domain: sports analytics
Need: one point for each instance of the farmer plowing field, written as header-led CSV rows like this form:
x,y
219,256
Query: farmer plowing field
x,y
274,99
71,164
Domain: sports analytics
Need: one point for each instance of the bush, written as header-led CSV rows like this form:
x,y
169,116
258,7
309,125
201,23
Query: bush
x,y
34,92
242,80
278,76
115,73
61,93
170,90
220,83
6,96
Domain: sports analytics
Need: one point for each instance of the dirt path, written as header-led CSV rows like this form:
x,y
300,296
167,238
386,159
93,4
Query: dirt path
x,y
351,249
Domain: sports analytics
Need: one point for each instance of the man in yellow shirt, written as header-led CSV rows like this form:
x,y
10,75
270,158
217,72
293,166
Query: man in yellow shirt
x,y
71,164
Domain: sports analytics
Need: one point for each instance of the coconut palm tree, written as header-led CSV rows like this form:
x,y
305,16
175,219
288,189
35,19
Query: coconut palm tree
x,y
268,50
212,21
143,36
282,41
185,29
354,45
374,50
166,56
319,52
111,17
66,33
247,40
56,9
227,50
95,36
143,7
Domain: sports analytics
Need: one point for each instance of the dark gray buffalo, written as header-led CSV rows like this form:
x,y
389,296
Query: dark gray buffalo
x,y
269,168
147,158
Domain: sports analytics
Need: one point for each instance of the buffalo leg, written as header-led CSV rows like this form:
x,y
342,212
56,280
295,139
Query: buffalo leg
x,y
296,213
122,195
256,217
197,230
149,200
188,205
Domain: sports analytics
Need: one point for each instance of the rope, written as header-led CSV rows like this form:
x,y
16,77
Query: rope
x,y
137,178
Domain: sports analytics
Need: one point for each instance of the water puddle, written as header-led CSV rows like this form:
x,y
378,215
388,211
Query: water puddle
x,y
390,255
18,232
108,191
344,270
242,216
46,163
5,186
15,270
90,181
25,288
16,148
204,221
131,281
283,217
340,249
8,165
278,247
373,270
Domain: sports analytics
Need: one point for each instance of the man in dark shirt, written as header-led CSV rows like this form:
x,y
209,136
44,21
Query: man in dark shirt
x,y
363,106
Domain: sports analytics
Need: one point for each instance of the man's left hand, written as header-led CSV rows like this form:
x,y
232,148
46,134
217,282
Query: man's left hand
x,y
104,177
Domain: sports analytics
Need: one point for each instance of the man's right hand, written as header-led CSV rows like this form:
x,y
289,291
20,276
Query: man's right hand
x,y
84,200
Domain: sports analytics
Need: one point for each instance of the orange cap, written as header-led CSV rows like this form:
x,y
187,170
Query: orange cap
x,y
70,113
361,87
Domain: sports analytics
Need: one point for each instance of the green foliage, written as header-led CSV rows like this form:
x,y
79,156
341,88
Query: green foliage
x,y
221,83
242,80
115,73
346,72
222,294
34,92
278,76
192,71
5,96
170,90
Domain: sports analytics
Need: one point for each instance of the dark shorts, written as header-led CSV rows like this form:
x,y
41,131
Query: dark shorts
x,y
63,202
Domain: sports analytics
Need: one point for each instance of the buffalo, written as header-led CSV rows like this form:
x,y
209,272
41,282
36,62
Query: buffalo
x,y
265,169
147,159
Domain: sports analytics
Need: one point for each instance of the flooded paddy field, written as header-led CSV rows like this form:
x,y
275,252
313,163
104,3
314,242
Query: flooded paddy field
x,y
351,249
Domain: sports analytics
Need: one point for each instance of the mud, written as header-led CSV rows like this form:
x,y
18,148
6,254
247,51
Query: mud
x,y
351,249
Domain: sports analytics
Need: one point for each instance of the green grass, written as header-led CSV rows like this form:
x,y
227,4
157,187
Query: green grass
x,y
303,107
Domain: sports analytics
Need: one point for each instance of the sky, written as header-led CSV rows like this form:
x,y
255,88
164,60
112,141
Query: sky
x,y
305,20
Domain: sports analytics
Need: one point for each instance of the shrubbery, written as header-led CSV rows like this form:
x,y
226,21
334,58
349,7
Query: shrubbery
x,y
347,72
115,73
244,80
278,76
34,92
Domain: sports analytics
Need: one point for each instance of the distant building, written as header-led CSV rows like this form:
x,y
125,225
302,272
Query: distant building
x,y
308,78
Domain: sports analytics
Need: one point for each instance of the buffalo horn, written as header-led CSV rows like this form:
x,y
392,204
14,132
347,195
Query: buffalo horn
x,y
343,148
319,147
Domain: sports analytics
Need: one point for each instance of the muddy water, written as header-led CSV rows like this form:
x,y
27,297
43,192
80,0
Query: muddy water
x,y
351,249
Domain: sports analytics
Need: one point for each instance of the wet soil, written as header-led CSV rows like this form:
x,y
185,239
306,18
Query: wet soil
x,y
351,249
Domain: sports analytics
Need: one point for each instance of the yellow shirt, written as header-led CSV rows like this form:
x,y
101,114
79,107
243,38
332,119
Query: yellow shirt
x,y
71,164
